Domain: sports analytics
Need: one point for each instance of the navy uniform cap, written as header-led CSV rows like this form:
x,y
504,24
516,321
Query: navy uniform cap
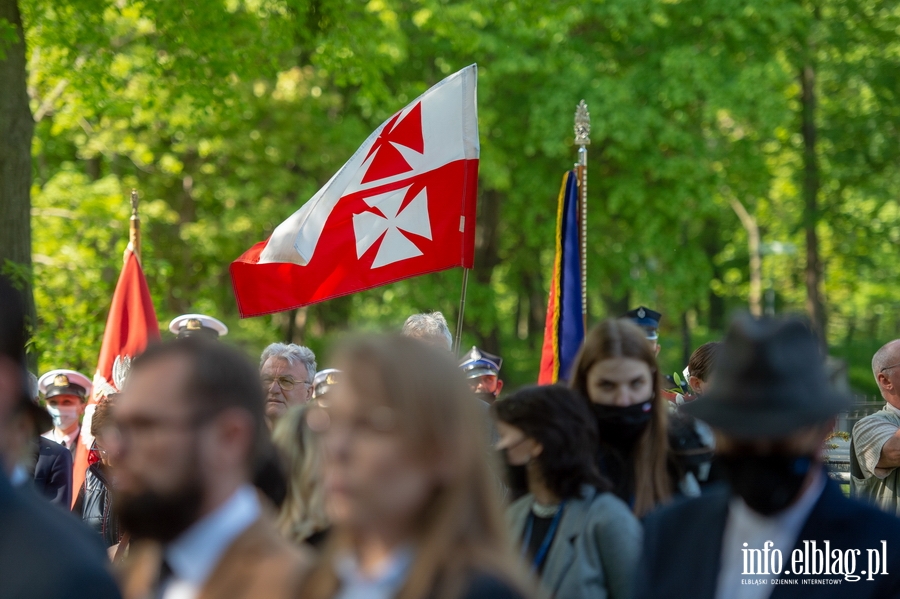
x,y
325,380
65,382
647,319
190,325
480,363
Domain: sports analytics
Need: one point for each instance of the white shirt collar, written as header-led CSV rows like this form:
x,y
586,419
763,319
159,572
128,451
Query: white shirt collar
x,y
891,408
384,584
19,476
68,440
194,554
746,528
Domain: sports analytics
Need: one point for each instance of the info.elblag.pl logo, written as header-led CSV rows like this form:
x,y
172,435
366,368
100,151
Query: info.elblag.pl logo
x,y
813,560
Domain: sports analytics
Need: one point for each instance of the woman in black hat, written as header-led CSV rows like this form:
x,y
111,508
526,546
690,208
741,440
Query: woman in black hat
x,y
616,372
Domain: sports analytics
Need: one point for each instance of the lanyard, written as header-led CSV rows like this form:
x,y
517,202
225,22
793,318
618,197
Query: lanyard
x,y
542,551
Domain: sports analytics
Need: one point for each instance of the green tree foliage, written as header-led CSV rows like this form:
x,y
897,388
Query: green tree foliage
x,y
228,115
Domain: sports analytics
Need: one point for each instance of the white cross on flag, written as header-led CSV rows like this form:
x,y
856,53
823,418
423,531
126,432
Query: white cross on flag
x,y
403,205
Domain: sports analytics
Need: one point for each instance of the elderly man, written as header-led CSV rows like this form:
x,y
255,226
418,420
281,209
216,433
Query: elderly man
x,y
191,428
431,328
875,442
287,371
780,518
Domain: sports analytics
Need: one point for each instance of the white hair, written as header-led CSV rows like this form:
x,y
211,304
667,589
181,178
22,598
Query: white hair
x,y
888,355
294,354
429,326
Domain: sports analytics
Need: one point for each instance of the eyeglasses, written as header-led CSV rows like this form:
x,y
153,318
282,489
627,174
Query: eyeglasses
x,y
285,382
889,367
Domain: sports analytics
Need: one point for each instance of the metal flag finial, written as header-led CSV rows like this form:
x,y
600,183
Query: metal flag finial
x,y
134,233
582,125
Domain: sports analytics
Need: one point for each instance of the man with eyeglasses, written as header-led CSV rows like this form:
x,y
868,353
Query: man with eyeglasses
x,y
875,441
189,431
287,371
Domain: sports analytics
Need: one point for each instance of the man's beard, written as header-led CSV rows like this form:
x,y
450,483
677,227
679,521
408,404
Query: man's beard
x,y
158,516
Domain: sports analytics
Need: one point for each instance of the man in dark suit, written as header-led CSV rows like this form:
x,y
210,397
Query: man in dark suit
x,y
53,472
780,528
47,464
46,554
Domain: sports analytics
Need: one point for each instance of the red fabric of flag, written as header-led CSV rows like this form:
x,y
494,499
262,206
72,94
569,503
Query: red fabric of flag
x,y
130,326
402,206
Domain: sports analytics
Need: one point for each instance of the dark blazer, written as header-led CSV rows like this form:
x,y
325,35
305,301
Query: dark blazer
x,y
683,542
34,535
53,472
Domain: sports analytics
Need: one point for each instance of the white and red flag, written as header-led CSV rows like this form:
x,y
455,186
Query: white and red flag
x,y
403,205
130,326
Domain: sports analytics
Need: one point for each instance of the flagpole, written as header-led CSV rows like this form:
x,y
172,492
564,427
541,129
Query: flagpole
x,y
462,311
134,233
582,140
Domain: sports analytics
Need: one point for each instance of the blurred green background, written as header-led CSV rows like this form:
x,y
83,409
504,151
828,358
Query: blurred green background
x,y
228,115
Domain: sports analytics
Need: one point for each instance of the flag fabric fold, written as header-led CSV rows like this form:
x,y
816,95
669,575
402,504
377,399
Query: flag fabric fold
x,y
403,205
564,328
130,326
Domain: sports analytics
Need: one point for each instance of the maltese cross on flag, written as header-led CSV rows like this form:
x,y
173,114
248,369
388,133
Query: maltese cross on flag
x,y
403,205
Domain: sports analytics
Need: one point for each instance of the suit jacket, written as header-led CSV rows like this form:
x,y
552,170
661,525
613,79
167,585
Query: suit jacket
x,y
595,550
46,553
683,545
258,564
53,472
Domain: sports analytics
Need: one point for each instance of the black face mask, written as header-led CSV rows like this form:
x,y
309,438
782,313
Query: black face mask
x,y
516,477
620,426
486,396
767,483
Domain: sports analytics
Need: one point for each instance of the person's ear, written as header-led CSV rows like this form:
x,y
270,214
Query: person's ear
x,y
536,450
884,382
695,383
499,387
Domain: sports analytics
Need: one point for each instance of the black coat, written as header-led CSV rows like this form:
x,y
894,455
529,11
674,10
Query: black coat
x,y
683,542
95,507
46,553
53,472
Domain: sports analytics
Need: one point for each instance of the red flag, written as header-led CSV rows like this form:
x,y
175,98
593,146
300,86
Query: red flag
x,y
403,205
130,326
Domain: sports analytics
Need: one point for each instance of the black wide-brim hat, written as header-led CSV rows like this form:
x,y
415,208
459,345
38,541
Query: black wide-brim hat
x,y
768,382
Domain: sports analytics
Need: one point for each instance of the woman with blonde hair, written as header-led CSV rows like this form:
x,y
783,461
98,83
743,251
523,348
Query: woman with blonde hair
x,y
302,517
616,372
411,498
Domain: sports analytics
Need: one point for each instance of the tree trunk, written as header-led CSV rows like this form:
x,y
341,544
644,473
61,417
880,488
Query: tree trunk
x,y
815,304
753,246
16,131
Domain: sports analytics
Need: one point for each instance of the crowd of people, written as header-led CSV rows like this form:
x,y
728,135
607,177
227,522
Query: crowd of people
x,y
404,472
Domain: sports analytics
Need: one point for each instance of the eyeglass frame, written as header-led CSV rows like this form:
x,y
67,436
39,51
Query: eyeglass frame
x,y
889,367
267,382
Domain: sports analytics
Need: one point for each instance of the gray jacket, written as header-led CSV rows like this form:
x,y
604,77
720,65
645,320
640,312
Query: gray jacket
x,y
595,551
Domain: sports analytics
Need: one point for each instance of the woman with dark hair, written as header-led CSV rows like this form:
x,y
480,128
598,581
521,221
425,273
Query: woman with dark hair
x,y
580,539
617,375
412,502
94,504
